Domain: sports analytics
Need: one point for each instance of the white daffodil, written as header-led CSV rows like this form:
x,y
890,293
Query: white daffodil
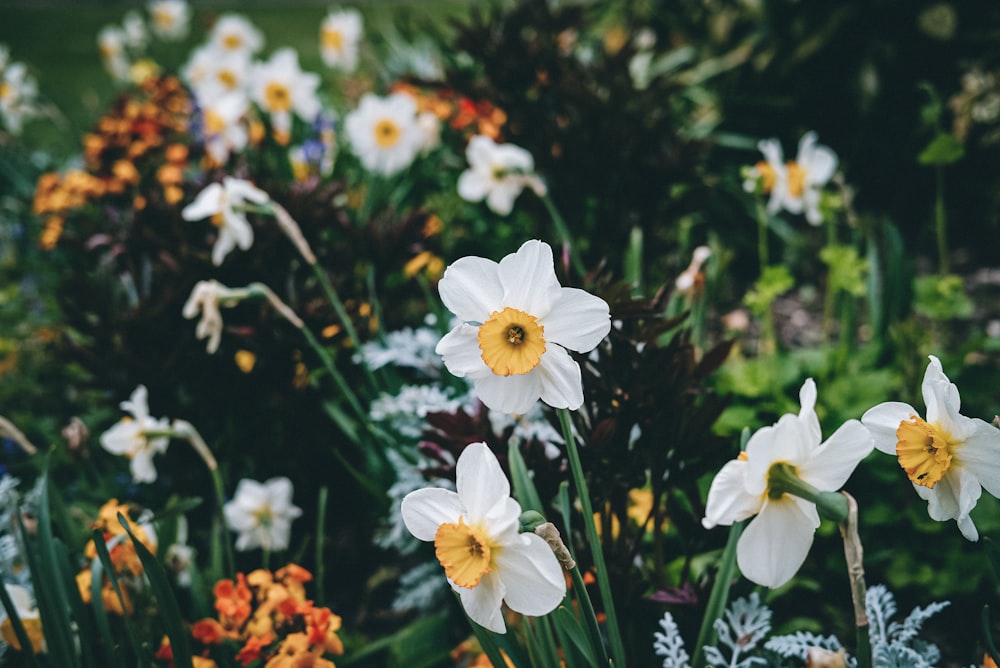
x,y
948,457
339,35
516,324
214,74
795,186
206,298
280,88
221,202
134,29
30,618
18,96
170,19
235,33
497,173
129,437
223,129
262,514
384,132
775,543
476,539
111,46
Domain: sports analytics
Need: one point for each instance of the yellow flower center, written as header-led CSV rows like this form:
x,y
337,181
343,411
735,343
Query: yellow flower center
x,y
767,176
228,79
232,41
465,552
924,451
163,18
387,133
6,90
512,342
796,179
214,125
332,39
278,97
264,515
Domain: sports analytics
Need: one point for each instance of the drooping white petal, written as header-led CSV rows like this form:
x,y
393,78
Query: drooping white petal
x,y
561,379
728,500
480,481
482,602
774,545
883,421
953,498
424,510
529,279
833,462
578,320
207,203
471,289
980,453
532,576
460,351
141,465
224,244
509,394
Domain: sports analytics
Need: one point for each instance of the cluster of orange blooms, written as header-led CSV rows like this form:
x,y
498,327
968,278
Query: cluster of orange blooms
x,y
124,560
142,136
268,617
459,112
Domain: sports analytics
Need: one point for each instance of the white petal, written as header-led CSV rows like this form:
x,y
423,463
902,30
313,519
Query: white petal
x,y
501,196
122,439
426,509
833,462
224,244
578,320
480,481
142,467
243,190
471,289
980,454
531,575
529,279
561,381
953,497
240,229
480,151
728,500
461,353
820,165
509,394
776,542
207,203
807,410
941,398
788,441
472,186
482,602
883,421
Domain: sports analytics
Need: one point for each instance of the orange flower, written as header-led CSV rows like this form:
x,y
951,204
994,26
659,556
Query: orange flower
x,y
208,632
293,572
232,601
297,652
253,648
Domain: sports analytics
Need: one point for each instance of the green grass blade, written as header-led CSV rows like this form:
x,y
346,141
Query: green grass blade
x,y
169,611
15,621
103,561
524,488
573,639
85,630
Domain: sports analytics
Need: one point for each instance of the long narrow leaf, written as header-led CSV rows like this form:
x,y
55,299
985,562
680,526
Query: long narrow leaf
x,y
22,636
97,600
169,611
112,653
85,631
524,487
573,639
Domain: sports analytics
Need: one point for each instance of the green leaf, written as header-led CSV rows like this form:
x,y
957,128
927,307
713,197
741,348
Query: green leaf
x,y
572,638
169,611
942,297
775,281
847,270
524,487
27,648
944,149
98,567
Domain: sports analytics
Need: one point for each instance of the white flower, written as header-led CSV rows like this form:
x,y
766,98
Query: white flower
x,y
476,539
134,29
948,457
18,93
223,130
796,186
384,132
206,298
170,19
517,322
280,88
214,74
262,514
497,173
339,35
235,33
220,202
129,437
775,543
111,45
689,277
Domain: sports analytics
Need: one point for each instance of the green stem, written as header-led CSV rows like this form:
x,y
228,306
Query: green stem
x,y
830,297
719,597
596,550
589,616
854,554
487,642
338,377
762,252
941,222
782,479
563,231
229,563
324,493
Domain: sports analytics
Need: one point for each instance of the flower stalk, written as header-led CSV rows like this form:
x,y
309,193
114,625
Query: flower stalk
x,y
854,553
8,430
563,231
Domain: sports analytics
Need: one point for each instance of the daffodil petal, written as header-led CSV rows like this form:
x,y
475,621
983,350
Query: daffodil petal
x,y
834,461
509,394
424,510
561,379
460,351
529,279
883,421
981,453
480,481
479,151
244,190
532,576
501,196
820,165
482,602
472,186
807,410
207,203
471,289
728,500
224,245
775,544
578,320
240,229
953,498
942,399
